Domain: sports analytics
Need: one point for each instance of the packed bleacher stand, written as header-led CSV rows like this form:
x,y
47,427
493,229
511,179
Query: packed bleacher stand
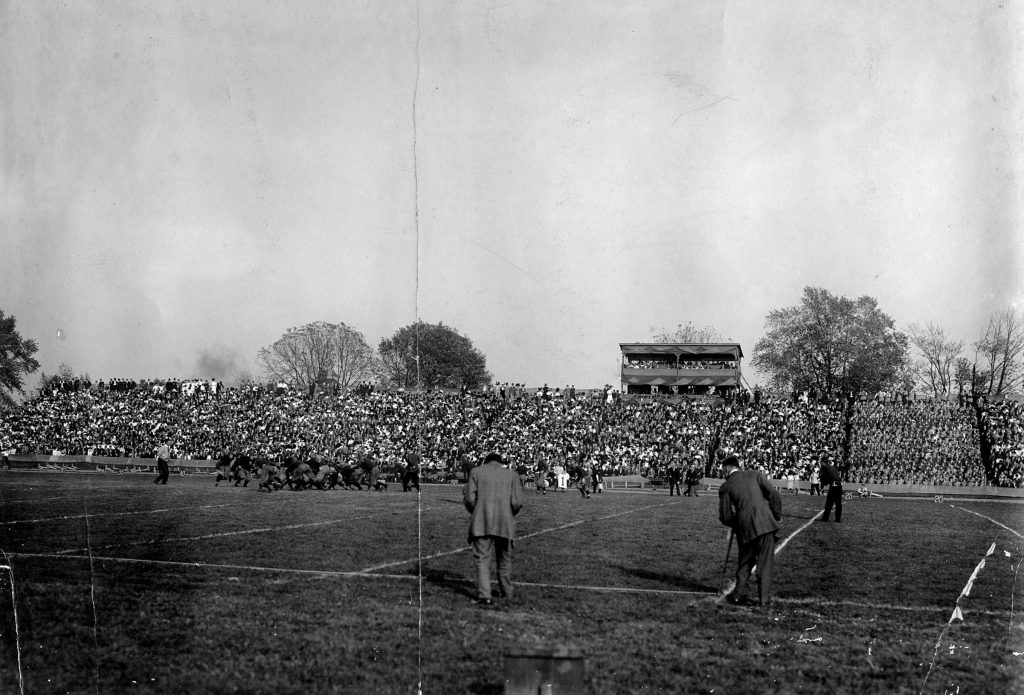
x,y
920,442
784,437
1003,425
890,440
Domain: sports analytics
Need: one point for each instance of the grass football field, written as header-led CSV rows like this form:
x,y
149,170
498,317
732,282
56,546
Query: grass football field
x,y
111,584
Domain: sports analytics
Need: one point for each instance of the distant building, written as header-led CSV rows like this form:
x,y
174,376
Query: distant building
x,y
685,369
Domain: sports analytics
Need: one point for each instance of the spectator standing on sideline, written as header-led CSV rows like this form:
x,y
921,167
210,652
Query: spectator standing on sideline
x,y
815,481
693,476
750,505
675,475
541,481
163,455
833,481
493,496
411,474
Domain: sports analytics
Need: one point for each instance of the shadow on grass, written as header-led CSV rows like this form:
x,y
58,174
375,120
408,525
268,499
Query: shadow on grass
x,y
456,583
673,580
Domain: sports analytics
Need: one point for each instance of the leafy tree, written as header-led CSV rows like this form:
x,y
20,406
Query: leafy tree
x,y
445,358
1000,349
831,344
936,370
319,353
689,333
16,359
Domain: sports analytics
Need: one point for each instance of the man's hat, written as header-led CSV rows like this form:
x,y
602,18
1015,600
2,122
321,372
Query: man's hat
x,y
493,456
731,461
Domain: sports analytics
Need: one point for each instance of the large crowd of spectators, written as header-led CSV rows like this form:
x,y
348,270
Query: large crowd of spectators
x,y
891,441
1003,428
642,363
915,442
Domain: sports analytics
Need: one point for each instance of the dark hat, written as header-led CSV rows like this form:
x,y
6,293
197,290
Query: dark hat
x,y
731,461
493,456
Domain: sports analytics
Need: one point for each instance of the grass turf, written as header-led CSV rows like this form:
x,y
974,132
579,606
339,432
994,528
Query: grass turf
x,y
123,586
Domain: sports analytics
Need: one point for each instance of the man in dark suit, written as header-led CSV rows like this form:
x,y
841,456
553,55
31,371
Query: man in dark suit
x,y
411,473
493,495
675,476
750,505
832,481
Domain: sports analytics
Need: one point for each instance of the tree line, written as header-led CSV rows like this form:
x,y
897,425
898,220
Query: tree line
x,y
827,344
336,356
833,345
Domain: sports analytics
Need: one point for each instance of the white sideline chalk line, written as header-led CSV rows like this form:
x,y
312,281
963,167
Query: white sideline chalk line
x,y
38,499
352,574
225,534
14,610
464,549
72,517
731,584
971,511
780,546
145,511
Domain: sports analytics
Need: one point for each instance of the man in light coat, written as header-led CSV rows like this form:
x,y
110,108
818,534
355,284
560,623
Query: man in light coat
x,y
163,455
493,496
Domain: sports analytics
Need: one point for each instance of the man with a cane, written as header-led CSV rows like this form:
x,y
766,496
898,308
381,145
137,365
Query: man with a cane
x,y
750,505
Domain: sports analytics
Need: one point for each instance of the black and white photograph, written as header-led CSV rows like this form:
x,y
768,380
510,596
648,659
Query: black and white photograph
x,y
511,347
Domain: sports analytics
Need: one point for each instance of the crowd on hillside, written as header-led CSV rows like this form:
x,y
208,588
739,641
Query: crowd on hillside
x,y
889,441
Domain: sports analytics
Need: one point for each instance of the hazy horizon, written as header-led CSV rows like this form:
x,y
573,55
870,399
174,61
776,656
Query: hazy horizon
x,y
183,181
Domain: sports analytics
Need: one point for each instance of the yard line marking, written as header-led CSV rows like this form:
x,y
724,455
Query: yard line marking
x,y
206,565
463,549
612,589
971,511
782,545
70,517
208,536
359,574
731,584
14,611
38,499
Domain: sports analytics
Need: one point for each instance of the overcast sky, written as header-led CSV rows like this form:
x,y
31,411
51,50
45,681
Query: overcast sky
x,y
180,182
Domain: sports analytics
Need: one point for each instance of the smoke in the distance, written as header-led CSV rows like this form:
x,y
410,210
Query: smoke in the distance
x,y
220,363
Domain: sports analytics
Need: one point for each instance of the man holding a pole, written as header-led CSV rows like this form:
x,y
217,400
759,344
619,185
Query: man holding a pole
x,y
750,505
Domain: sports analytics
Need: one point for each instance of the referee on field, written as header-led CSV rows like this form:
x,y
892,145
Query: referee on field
x,y
832,480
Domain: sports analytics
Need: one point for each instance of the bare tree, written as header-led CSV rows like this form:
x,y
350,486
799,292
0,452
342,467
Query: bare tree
x,y
689,333
354,360
319,353
963,376
937,369
1000,350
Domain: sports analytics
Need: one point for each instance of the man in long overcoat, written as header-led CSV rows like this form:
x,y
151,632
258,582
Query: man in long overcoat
x,y
493,495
